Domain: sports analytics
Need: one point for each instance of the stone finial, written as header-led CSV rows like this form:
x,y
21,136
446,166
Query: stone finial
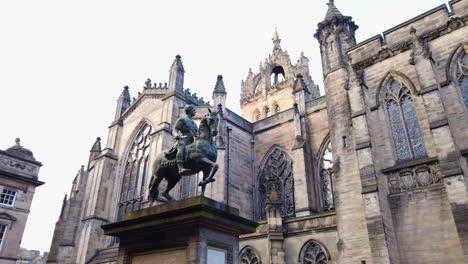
x,y
276,41
219,87
148,84
332,11
20,151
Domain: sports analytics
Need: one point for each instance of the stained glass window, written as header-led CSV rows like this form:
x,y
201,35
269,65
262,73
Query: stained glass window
x,y
313,253
278,165
326,164
135,173
462,77
248,256
406,132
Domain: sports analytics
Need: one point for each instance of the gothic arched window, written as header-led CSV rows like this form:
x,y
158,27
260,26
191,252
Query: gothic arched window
x,y
277,164
135,173
462,76
326,186
256,116
276,108
313,253
404,124
248,256
266,111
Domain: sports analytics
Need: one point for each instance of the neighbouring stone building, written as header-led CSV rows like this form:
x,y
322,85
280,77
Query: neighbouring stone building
x,y
26,256
374,171
18,180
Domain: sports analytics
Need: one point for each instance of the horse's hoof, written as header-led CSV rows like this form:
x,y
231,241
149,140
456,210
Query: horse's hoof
x,y
201,183
211,180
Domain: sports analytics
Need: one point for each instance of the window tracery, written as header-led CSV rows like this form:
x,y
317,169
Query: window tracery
x,y
135,173
326,186
313,253
462,77
406,132
249,256
277,165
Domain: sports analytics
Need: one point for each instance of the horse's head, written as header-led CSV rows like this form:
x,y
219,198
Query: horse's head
x,y
212,122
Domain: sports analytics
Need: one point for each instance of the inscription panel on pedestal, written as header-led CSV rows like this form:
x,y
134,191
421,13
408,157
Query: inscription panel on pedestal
x,y
164,257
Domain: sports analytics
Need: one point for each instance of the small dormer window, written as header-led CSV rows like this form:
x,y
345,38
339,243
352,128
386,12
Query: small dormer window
x,y
277,75
7,197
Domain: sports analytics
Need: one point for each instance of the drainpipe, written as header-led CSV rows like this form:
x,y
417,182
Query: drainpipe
x,y
228,163
254,181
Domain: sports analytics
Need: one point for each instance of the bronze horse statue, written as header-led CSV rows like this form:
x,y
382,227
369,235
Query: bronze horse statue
x,y
201,156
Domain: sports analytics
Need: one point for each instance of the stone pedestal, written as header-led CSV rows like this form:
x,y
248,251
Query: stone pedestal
x,y
194,230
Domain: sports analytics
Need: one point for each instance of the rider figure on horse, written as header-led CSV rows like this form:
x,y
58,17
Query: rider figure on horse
x,y
184,132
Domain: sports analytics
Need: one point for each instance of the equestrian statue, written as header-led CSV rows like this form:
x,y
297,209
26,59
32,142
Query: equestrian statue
x,y
193,152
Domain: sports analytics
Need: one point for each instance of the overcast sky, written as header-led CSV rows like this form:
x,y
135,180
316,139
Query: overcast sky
x,y
63,65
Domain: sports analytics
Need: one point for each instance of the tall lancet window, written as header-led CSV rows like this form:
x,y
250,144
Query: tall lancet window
x,y
404,124
462,76
325,167
135,173
277,164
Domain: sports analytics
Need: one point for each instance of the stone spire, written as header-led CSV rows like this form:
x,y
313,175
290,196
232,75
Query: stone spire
x,y
176,75
123,102
276,41
219,94
332,11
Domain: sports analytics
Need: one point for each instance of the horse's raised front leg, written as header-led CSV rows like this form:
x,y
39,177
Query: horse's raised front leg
x,y
209,171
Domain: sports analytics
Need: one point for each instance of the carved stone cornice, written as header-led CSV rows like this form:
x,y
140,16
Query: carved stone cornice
x,y
387,52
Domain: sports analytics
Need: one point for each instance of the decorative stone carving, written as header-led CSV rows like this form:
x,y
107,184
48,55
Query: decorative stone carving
x,y
249,256
420,48
313,253
454,23
18,166
278,165
414,177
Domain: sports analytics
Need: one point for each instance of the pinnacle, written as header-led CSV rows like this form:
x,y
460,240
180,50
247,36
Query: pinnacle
x,y
177,64
276,40
97,145
332,11
219,87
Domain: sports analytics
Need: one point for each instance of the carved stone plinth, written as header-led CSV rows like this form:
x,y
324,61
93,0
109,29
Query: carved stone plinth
x,y
193,230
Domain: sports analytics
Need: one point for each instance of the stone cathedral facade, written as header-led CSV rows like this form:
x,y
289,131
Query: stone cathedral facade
x,y
374,171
